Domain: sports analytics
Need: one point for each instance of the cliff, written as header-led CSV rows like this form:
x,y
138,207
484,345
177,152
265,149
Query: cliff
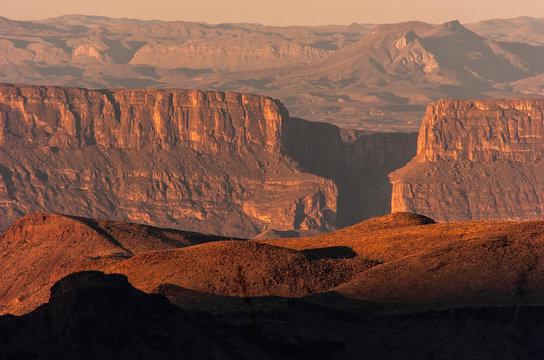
x,y
206,122
228,54
206,161
476,160
225,163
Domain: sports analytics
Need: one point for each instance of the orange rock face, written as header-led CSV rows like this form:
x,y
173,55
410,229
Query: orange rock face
x,y
206,122
224,163
476,160
206,161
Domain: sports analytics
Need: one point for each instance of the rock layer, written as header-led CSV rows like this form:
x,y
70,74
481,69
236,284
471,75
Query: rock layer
x,y
476,160
206,161
225,163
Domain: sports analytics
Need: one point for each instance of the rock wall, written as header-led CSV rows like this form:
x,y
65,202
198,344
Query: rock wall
x,y
225,163
206,122
202,161
476,160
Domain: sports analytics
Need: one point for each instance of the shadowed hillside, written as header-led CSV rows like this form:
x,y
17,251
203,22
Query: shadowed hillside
x,y
401,261
91,315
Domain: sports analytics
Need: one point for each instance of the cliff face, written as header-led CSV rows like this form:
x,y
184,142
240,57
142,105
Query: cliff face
x,y
225,55
206,122
205,161
476,160
482,131
225,163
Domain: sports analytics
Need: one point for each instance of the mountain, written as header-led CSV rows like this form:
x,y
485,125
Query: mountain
x,y
225,163
386,79
476,160
91,20
368,77
88,40
523,29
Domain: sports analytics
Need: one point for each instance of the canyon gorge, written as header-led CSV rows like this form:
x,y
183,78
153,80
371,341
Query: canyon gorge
x,y
239,165
224,163
243,191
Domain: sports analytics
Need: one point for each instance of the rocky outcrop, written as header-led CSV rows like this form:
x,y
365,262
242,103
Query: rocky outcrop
x,y
206,161
476,160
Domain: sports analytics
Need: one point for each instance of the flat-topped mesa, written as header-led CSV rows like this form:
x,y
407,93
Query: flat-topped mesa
x,y
482,130
196,160
476,160
206,121
224,163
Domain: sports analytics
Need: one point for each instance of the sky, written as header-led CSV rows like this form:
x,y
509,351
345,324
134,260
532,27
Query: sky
x,y
279,12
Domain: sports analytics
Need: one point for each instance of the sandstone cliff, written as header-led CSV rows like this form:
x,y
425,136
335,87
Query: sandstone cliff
x,y
476,160
205,161
225,163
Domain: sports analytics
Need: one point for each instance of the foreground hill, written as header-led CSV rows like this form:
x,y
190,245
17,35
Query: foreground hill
x,y
40,249
94,316
401,261
426,265
458,290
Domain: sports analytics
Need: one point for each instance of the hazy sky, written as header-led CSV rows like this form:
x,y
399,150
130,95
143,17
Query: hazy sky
x,y
279,12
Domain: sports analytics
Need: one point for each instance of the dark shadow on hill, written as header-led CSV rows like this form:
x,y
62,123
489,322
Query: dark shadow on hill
x,y
331,252
95,316
173,237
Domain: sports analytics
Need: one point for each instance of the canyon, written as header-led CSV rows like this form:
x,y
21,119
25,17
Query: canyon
x,y
476,160
238,164
141,216
224,163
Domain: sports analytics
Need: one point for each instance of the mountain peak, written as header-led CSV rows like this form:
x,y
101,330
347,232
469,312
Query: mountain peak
x,y
451,28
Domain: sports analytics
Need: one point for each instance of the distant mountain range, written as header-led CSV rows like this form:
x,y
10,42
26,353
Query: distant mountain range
x,y
372,77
